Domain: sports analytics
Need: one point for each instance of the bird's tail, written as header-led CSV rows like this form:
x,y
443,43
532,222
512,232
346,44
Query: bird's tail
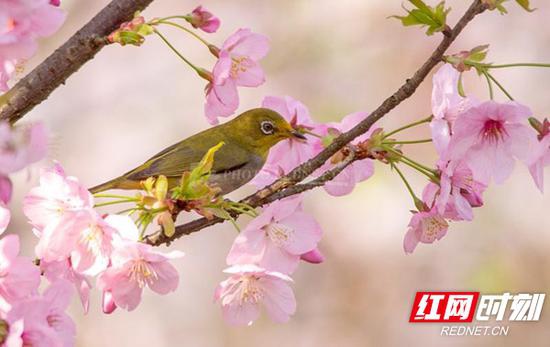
x,y
117,183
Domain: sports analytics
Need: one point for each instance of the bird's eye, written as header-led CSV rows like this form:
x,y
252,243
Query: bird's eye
x,y
267,127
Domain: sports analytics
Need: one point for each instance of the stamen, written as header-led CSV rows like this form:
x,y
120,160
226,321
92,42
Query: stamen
x,y
493,130
251,292
142,273
280,234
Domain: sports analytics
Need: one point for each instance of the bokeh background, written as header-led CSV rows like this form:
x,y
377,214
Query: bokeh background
x,y
337,57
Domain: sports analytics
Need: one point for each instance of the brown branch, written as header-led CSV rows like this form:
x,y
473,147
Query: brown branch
x,y
286,185
66,60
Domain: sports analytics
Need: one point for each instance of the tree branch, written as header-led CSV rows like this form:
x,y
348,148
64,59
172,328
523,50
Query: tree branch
x,y
286,185
66,60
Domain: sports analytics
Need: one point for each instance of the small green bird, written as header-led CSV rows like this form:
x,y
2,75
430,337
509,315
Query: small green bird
x,y
247,140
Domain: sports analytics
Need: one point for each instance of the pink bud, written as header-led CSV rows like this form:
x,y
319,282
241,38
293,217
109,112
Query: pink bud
x,y
314,256
108,303
5,189
55,2
203,19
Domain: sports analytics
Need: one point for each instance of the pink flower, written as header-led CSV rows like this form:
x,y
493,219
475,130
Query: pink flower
x,y
489,136
203,19
222,98
21,146
459,188
45,322
447,105
5,216
21,23
237,65
540,157
6,189
246,49
360,170
84,236
277,238
57,195
425,227
135,265
19,277
288,154
63,270
248,287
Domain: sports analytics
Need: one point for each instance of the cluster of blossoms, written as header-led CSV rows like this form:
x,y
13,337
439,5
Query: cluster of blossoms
x,y
237,62
22,22
478,143
76,242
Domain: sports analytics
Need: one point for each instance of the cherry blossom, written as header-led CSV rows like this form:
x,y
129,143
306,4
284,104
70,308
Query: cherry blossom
x,y
358,171
84,236
43,318
277,238
63,270
21,146
57,195
19,277
237,65
489,137
135,265
250,286
21,23
425,227
459,187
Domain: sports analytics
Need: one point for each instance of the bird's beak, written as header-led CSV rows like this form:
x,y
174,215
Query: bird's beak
x,y
298,135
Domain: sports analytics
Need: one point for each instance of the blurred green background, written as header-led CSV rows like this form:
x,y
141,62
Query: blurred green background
x,y
337,57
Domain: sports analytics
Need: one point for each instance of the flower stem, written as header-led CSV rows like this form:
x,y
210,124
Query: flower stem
x,y
190,32
122,201
422,121
411,192
517,65
499,85
414,164
489,84
406,142
113,196
197,69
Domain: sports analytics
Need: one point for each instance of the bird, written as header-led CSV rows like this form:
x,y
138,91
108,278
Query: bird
x,y
247,140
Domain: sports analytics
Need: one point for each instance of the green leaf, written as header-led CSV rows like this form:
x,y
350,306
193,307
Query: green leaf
x,y
423,15
525,5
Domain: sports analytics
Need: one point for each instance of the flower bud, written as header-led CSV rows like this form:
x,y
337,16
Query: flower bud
x,y
108,303
314,256
203,19
5,189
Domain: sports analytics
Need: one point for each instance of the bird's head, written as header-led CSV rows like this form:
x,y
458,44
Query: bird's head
x,y
260,129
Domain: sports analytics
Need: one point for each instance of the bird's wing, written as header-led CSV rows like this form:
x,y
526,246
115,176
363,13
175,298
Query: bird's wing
x,y
181,157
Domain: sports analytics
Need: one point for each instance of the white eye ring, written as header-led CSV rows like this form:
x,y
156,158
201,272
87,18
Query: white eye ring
x,y
267,127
